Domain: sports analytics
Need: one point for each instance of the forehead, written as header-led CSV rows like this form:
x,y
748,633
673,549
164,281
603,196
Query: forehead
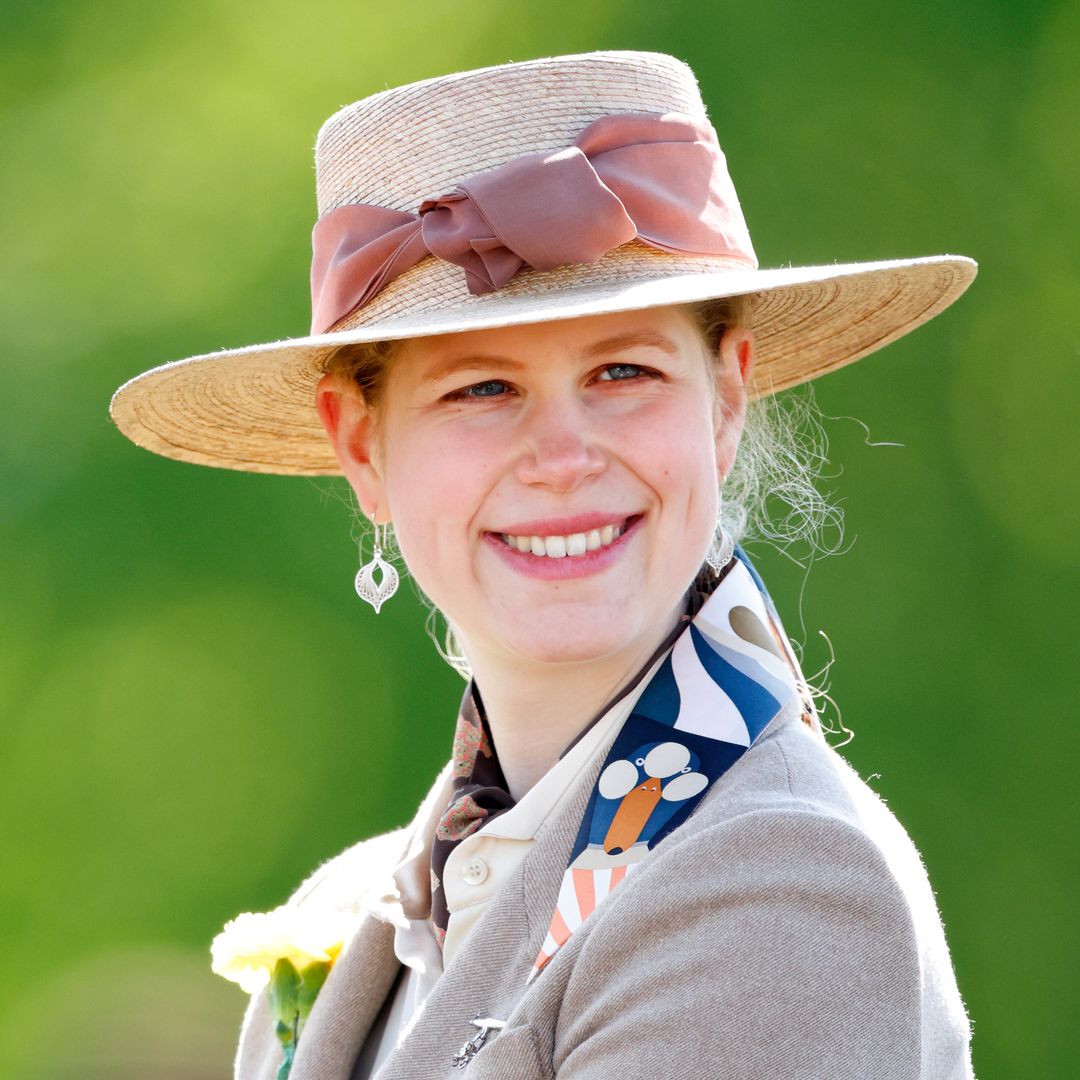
x,y
671,329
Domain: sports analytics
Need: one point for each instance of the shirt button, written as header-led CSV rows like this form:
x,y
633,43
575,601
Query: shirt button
x,y
475,872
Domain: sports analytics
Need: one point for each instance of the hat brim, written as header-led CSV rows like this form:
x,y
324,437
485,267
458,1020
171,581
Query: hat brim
x,y
253,408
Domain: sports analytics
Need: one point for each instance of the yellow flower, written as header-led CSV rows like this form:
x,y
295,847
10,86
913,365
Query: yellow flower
x,y
246,951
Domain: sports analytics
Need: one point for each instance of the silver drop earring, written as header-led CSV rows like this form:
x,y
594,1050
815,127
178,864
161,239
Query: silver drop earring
x,y
723,547
376,593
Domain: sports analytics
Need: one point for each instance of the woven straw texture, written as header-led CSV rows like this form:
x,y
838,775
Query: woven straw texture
x,y
253,408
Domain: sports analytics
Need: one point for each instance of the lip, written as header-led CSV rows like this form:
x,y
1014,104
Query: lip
x,y
564,526
577,566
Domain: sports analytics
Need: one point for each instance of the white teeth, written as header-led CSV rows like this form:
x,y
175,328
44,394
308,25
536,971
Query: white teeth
x,y
560,547
576,544
556,547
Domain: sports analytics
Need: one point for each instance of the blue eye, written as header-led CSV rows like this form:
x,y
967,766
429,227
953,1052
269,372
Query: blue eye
x,y
492,388
621,372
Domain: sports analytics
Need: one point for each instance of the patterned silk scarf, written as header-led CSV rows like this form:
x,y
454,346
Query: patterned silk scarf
x,y
480,793
727,672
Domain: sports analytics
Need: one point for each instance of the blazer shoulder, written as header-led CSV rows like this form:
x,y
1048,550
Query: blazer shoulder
x,y
783,925
823,943
793,769
793,798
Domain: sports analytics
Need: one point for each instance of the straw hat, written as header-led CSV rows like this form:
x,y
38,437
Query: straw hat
x,y
541,187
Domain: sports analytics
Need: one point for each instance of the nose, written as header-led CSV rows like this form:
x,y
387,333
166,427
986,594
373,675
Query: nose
x,y
560,446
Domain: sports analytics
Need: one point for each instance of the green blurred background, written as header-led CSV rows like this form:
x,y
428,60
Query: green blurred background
x,y
196,708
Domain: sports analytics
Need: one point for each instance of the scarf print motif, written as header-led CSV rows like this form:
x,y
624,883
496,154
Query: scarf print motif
x,y
727,676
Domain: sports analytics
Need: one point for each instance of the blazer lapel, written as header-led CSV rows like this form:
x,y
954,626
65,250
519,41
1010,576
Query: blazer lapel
x,y
363,976
488,976
347,1005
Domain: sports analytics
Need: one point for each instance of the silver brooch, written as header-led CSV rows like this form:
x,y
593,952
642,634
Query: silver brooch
x,y
484,1025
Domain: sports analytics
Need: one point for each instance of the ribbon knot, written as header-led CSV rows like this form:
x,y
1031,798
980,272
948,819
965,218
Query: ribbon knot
x,y
658,178
541,210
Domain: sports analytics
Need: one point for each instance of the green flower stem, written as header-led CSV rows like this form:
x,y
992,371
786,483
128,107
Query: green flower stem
x,y
286,1062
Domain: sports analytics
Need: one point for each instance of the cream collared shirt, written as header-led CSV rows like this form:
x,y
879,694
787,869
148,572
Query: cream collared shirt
x,y
475,872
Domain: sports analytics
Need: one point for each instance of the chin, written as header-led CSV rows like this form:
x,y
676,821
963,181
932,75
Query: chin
x,y
567,642
564,652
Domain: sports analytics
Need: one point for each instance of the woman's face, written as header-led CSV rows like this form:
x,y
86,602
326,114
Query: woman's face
x,y
553,488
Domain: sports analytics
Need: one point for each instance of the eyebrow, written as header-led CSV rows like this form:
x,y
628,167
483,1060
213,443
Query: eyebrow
x,y
607,347
622,342
469,362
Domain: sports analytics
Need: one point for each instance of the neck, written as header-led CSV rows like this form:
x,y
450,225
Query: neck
x,y
534,710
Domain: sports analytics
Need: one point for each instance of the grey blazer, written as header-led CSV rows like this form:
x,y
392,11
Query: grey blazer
x,y
787,931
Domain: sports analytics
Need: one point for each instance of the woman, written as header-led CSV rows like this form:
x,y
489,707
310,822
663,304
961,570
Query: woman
x,y
538,322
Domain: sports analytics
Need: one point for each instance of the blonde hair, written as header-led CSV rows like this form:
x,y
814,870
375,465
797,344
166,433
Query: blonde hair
x,y
771,492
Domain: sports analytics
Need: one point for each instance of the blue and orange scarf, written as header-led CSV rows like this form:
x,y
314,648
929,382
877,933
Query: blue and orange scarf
x,y
727,671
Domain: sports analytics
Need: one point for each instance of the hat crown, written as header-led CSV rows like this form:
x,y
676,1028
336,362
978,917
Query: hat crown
x,y
400,146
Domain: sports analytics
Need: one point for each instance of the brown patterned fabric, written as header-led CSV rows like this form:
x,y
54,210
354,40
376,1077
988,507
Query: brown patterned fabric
x,y
480,793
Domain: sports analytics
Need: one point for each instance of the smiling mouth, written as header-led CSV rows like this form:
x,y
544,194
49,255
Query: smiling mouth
x,y
572,545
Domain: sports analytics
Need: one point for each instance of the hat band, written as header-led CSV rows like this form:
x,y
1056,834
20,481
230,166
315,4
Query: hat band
x,y
657,178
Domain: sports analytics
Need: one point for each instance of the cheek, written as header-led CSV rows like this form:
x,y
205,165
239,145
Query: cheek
x,y
691,463
704,505
673,451
683,450
435,488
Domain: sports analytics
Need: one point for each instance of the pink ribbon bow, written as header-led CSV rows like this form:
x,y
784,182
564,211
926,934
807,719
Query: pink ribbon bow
x,y
661,179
